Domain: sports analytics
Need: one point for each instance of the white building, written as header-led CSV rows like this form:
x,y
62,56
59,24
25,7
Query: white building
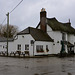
x,y
45,39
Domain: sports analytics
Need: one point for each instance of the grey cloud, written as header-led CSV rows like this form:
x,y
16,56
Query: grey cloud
x,y
28,12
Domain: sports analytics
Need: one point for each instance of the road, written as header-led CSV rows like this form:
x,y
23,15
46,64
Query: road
x,y
37,66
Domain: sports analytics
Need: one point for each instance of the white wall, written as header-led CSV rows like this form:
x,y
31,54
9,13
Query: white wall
x,y
11,47
22,39
57,36
71,38
2,46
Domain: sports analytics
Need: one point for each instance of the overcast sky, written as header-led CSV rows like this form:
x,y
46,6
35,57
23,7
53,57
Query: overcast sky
x,y
28,12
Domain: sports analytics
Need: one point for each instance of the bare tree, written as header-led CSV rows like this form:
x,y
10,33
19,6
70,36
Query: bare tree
x,y
0,29
12,30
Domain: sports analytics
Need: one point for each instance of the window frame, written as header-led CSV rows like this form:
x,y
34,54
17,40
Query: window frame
x,y
19,47
47,49
64,36
39,48
26,46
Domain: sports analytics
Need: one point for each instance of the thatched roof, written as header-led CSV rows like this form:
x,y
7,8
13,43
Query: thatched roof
x,y
58,26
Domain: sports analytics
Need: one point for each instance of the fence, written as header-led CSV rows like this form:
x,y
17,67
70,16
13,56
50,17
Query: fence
x,y
15,54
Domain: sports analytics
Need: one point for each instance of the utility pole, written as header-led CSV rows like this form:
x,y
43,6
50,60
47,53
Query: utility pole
x,y
7,30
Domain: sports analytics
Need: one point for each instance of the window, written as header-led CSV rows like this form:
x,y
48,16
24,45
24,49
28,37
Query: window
x,y
39,48
19,46
63,36
47,48
3,46
32,42
26,47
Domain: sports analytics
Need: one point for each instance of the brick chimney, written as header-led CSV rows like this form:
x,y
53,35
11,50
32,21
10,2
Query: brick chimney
x,y
43,20
69,23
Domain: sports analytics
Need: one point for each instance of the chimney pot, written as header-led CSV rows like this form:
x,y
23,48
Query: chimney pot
x,y
43,9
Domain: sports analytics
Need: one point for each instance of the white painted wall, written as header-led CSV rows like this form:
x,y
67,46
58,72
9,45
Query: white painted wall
x,y
57,36
2,46
25,39
71,38
11,47
22,39
66,36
